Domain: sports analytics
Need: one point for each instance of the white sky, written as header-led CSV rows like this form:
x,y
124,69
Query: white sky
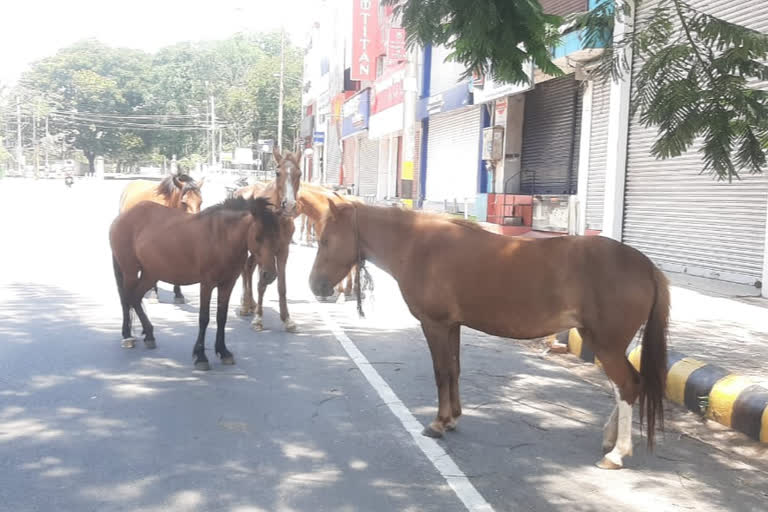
x,y
33,29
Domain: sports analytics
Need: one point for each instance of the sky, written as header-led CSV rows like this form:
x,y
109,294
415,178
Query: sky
x,y
34,29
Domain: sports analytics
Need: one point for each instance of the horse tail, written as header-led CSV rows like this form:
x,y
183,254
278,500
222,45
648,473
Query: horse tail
x,y
653,358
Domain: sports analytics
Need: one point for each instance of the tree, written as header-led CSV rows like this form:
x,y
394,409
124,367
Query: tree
x,y
89,86
694,74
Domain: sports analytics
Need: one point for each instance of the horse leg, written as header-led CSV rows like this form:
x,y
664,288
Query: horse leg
x,y
454,347
201,362
120,277
246,302
143,285
178,297
288,323
224,292
439,338
626,386
258,318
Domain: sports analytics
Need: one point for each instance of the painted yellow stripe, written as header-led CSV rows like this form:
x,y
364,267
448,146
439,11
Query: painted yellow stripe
x,y
764,427
678,376
634,357
574,342
723,395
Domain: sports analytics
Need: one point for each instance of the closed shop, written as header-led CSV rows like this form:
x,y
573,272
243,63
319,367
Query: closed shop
x,y
688,222
350,161
452,155
551,131
598,145
332,154
367,178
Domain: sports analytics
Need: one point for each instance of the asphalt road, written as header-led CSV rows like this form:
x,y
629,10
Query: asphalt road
x,y
296,424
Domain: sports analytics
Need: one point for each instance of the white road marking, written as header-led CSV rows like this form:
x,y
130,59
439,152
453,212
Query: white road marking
x,y
444,464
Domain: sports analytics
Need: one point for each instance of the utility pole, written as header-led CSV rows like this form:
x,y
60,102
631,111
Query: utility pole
x,y
19,149
34,140
213,132
280,99
47,141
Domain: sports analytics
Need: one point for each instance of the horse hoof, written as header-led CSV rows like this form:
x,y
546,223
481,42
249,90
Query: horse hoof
x,y
257,326
230,359
150,343
451,425
179,300
431,432
202,366
245,312
128,343
606,463
290,326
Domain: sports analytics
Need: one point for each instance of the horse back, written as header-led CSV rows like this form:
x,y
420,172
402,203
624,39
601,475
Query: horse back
x,y
138,191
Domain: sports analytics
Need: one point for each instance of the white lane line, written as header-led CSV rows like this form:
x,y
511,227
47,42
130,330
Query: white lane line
x,y
444,464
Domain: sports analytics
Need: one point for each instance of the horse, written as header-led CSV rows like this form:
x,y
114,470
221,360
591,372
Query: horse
x,y
174,191
313,204
281,192
151,242
452,272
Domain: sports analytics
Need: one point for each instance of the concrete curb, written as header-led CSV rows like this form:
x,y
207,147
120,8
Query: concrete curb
x,y
705,389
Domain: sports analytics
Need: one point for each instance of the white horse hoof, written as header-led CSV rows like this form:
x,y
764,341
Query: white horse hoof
x,y
290,326
258,323
610,461
128,343
341,299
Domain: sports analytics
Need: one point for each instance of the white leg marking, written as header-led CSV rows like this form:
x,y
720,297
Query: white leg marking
x,y
611,429
623,446
258,322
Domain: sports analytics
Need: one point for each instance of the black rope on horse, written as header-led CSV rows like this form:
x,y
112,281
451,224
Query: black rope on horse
x,y
363,279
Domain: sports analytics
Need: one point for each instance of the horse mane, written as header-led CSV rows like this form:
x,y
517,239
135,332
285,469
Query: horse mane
x,y
167,187
413,215
259,207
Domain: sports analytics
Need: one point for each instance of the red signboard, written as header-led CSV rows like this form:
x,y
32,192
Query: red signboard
x,y
365,39
388,89
396,44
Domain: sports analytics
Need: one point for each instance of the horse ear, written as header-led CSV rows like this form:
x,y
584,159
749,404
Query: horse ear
x,y
177,182
333,210
277,155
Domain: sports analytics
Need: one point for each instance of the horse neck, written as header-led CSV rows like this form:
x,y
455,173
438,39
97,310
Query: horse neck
x,y
311,204
384,234
174,200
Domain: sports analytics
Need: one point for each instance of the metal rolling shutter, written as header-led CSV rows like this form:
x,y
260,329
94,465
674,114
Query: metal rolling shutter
x,y
598,145
333,155
350,160
416,164
452,155
369,167
551,137
687,222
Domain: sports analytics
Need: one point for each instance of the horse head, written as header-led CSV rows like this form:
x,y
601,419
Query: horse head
x,y
287,181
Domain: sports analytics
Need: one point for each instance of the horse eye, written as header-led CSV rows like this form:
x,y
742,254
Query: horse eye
x,y
277,173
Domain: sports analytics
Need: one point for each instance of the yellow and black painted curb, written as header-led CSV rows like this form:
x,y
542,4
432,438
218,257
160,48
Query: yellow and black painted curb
x,y
705,389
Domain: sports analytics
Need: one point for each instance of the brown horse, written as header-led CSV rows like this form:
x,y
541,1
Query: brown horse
x,y
453,273
313,205
174,191
281,191
150,243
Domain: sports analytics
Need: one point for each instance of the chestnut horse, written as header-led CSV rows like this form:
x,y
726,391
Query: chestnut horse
x,y
174,191
209,248
282,192
313,204
453,273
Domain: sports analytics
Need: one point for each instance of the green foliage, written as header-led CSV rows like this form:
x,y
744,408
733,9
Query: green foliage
x,y
131,106
496,37
693,75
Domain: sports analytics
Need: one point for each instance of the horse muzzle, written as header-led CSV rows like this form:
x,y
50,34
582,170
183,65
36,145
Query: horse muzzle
x,y
288,207
268,277
321,287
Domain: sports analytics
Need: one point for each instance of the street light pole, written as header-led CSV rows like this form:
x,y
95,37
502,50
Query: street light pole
x,y
280,98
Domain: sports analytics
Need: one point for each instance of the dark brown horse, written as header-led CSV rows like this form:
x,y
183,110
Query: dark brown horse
x,y
174,191
453,273
281,191
150,243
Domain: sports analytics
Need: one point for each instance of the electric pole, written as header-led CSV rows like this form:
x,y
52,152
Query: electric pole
x,y
19,149
47,141
213,132
34,141
280,98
